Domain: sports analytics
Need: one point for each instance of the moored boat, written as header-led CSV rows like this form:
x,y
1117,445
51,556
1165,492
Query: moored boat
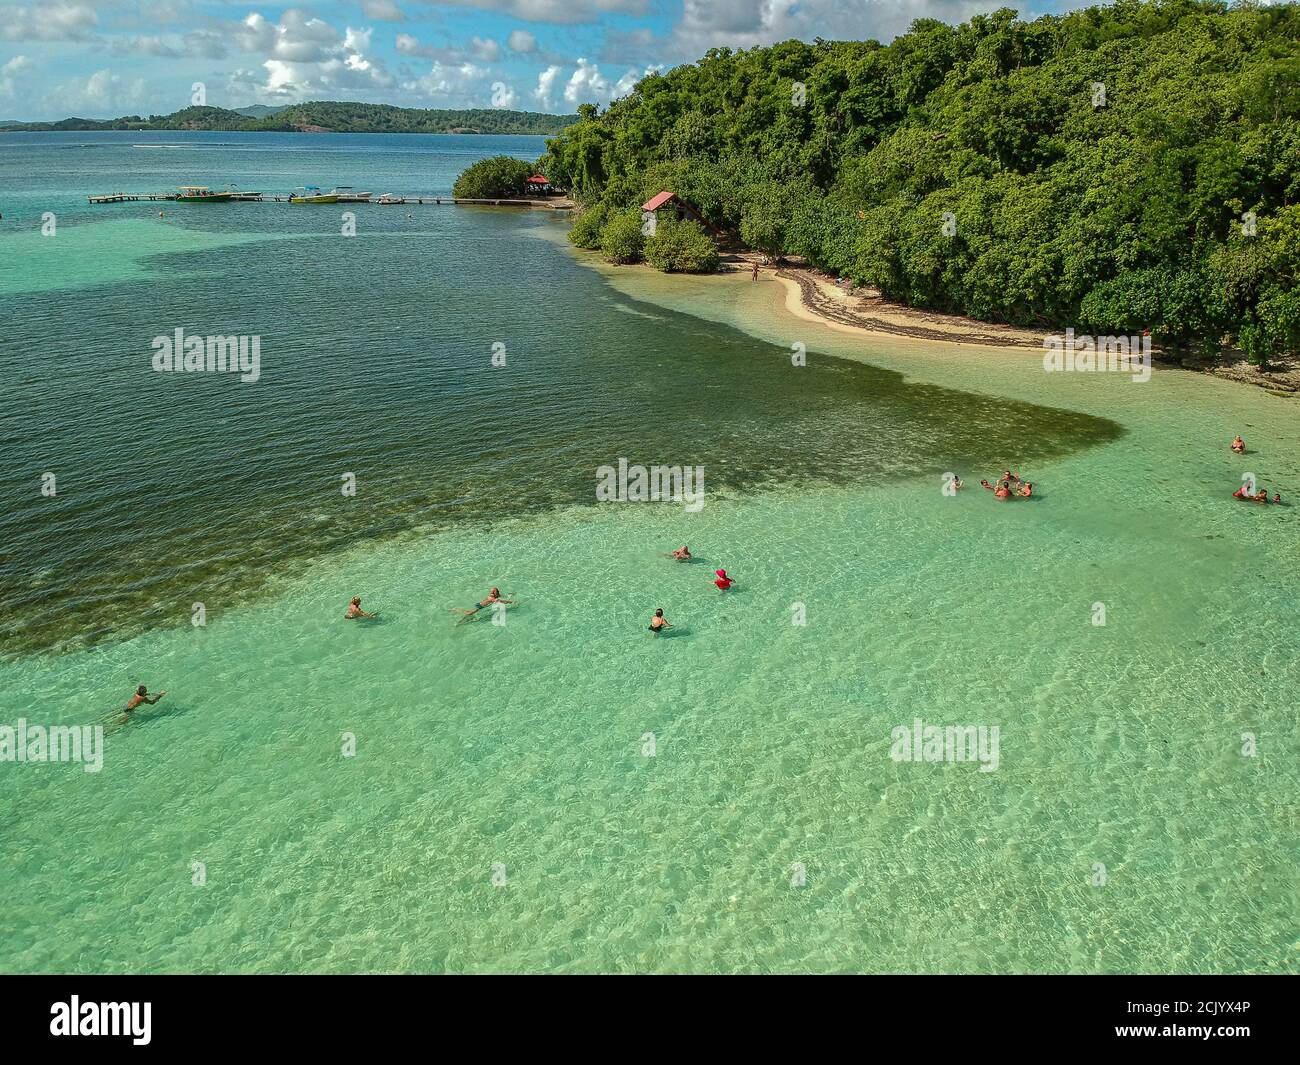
x,y
201,194
347,194
311,194
388,198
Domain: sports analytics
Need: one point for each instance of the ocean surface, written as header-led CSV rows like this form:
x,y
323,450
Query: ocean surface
x,y
565,791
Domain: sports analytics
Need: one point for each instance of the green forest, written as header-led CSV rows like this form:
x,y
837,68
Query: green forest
x,y
1119,168
327,116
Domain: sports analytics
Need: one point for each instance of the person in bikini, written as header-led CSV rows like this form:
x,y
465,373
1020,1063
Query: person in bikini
x,y
682,554
657,623
1239,446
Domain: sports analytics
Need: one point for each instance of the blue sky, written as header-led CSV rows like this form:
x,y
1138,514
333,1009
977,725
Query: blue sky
x,y
103,58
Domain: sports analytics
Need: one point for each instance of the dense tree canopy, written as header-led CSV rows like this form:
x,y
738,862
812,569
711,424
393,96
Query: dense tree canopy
x,y
494,177
1118,168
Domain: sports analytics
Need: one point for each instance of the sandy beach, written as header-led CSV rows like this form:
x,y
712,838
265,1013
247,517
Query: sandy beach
x,y
814,296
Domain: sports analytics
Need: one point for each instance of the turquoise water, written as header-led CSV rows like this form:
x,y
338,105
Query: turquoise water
x,y
518,751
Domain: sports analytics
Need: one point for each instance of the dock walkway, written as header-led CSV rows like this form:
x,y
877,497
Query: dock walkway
x,y
556,204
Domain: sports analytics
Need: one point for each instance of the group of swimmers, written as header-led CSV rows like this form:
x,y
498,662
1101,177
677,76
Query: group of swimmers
x,y
1009,484
1239,448
354,611
721,580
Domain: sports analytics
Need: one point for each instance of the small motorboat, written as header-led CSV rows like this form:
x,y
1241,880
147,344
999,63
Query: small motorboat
x,y
311,194
388,199
347,194
201,194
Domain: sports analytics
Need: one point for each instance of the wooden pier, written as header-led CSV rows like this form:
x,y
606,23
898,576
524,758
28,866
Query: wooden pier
x,y
556,204
130,197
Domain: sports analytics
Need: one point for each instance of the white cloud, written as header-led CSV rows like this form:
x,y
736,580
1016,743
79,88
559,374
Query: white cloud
x,y
547,81
587,85
55,20
104,93
569,11
447,82
382,11
201,44
706,24
10,73
304,56
485,49
522,41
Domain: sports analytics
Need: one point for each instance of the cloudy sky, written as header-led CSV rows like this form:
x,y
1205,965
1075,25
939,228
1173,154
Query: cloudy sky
x,y
103,58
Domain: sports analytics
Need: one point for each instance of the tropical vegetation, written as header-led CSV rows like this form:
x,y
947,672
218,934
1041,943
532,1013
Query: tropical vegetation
x,y
1120,168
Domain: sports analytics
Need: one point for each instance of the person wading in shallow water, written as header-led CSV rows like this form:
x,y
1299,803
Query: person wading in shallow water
x,y
657,623
754,275
355,611
141,696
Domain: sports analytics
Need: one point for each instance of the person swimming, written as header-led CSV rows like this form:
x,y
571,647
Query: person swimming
x,y
723,582
1239,446
494,596
657,623
1002,491
1026,489
985,484
355,611
142,696
1277,497
682,554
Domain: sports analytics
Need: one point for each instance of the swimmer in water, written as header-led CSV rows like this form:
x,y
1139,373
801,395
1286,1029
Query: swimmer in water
x,y
494,596
723,582
142,696
682,554
355,611
657,623
1239,446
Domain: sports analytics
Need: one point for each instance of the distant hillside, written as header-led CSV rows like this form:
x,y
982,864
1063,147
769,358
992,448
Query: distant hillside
x,y
324,117
260,110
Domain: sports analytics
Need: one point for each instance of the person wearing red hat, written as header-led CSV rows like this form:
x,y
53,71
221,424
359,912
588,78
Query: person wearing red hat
x,y
723,582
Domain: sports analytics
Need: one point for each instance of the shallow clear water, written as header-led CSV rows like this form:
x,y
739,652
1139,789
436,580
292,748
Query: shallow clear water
x,y
523,744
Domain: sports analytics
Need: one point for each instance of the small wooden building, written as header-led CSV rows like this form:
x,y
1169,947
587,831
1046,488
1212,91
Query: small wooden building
x,y
669,204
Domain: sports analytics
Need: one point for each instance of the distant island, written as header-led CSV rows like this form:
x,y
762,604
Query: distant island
x,y
323,117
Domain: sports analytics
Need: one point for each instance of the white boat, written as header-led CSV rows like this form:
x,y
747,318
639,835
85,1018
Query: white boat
x,y
389,198
347,194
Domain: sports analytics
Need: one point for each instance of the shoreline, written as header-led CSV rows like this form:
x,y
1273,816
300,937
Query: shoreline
x,y
812,295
